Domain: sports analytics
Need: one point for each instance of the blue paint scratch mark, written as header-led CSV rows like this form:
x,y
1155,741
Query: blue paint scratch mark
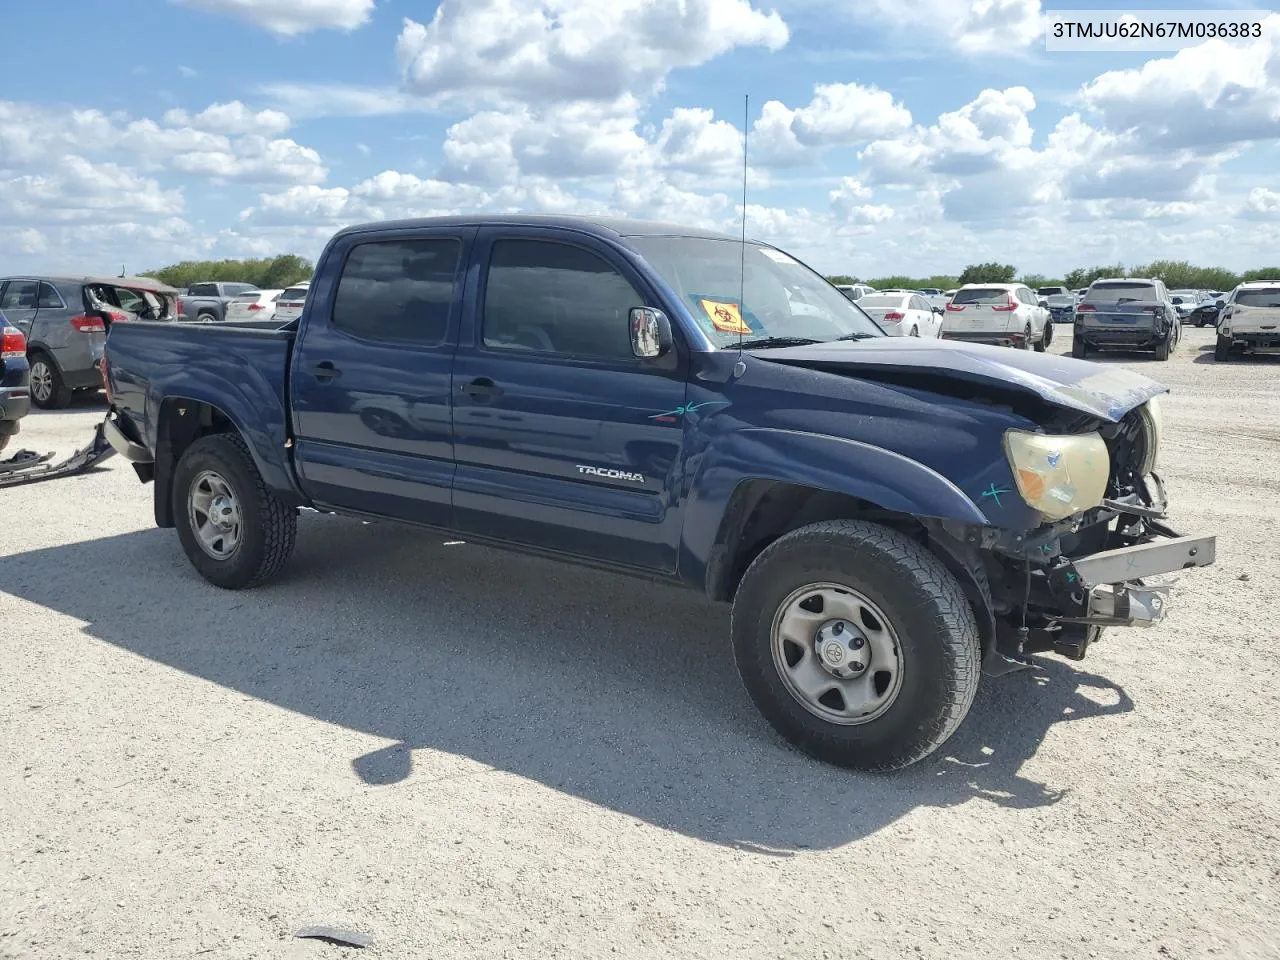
x,y
1054,458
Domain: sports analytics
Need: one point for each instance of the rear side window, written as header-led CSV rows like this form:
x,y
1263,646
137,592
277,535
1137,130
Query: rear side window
x,y
398,290
555,298
982,295
49,299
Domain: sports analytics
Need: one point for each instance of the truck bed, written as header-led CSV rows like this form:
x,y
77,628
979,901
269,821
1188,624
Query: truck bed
x,y
154,362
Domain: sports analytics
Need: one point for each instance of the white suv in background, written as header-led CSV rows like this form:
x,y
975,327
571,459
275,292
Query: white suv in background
x,y
1005,314
289,304
855,291
1250,320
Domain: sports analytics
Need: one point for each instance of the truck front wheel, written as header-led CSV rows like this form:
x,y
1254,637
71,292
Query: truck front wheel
x,y
235,532
856,644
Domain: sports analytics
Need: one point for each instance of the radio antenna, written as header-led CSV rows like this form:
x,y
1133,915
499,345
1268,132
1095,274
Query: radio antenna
x,y
742,251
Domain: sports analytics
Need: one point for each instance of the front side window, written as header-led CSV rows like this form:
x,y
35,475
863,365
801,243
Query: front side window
x,y
398,290
551,297
752,294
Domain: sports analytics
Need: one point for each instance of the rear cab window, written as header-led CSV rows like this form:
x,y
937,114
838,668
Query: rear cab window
x,y
398,291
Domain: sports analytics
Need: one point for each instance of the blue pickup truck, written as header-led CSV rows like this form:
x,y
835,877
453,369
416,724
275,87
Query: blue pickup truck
x,y
890,518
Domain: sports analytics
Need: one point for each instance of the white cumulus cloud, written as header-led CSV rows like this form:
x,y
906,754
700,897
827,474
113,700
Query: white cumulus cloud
x,y
290,17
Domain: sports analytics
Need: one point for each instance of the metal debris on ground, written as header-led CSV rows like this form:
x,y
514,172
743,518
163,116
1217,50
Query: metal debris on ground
x,y
27,466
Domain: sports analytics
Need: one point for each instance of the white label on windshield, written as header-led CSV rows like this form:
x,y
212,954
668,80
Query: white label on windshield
x,y
777,256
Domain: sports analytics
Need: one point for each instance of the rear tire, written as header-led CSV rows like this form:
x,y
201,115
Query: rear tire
x,y
1045,338
1026,338
206,317
1079,349
48,390
909,617
1162,349
217,489
1222,349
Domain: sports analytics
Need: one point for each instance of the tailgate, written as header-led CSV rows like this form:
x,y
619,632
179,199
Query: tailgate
x,y
1120,314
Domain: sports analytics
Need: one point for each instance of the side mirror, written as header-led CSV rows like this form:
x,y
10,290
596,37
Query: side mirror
x,y
1044,303
938,310
650,332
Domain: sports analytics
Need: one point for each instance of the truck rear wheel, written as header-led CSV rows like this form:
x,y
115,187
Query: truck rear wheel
x,y
235,532
856,644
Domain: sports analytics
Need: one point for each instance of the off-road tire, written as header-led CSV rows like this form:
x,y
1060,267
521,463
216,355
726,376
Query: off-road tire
x,y
1222,349
936,628
59,395
269,526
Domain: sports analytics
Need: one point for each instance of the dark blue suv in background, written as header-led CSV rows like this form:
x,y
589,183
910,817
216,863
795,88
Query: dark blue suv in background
x,y
15,375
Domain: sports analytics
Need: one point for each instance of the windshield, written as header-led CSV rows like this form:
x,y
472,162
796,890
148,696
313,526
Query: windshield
x,y
1050,292
780,297
1263,297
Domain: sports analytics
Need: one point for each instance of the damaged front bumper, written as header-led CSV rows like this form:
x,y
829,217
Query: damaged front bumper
x,y
1088,573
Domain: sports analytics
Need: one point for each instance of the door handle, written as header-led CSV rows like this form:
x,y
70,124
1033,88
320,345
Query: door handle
x,y
481,389
325,371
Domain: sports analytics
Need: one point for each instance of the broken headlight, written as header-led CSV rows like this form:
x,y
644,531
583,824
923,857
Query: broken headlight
x,y
1152,425
1059,476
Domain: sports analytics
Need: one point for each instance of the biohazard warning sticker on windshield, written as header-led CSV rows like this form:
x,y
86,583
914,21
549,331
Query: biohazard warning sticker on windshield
x,y
725,317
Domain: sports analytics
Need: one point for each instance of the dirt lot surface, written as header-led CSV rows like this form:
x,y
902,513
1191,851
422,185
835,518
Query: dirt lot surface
x,y
469,754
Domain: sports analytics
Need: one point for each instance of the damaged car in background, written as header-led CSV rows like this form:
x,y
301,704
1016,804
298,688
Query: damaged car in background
x,y
65,322
888,516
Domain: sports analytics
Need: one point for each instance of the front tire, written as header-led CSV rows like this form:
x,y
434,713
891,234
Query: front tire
x,y
235,532
910,662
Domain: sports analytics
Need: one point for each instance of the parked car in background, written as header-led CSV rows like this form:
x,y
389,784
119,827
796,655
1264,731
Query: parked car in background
x,y
934,296
1185,302
903,314
254,305
15,396
1128,314
1250,320
289,304
1061,302
65,322
1207,312
1005,314
207,302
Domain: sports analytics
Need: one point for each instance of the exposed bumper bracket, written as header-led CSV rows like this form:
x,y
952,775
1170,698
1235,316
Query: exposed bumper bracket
x,y
1146,560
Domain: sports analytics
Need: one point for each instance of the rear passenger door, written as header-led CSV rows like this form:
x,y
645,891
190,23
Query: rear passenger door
x,y
371,388
564,440
19,302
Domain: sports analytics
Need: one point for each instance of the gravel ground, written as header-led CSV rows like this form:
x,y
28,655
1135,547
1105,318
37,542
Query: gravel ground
x,y
566,766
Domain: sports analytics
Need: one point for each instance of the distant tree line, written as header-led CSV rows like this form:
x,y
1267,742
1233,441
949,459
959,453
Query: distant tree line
x,y
268,273
1176,274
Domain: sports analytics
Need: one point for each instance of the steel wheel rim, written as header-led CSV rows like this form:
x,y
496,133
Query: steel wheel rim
x,y
214,511
41,381
828,682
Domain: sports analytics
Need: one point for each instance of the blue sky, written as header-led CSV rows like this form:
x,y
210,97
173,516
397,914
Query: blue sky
x,y
885,137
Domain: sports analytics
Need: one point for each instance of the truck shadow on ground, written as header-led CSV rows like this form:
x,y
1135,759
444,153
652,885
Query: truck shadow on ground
x,y
616,691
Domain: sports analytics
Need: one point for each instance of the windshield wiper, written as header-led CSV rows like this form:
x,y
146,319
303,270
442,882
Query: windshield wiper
x,y
777,342
856,336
